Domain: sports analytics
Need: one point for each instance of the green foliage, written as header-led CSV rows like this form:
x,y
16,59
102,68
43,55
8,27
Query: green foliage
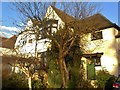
x,y
109,83
77,78
102,77
54,76
37,84
84,84
72,60
14,81
74,76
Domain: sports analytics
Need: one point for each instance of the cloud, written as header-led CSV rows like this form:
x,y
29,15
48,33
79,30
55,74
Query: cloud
x,y
7,35
12,29
8,31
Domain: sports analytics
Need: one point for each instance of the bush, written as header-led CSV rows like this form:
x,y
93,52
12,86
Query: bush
x,y
54,75
37,84
76,80
102,78
109,83
14,81
73,77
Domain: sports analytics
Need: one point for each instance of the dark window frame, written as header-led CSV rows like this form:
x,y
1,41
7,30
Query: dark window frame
x,y
30,40
96,35
97,60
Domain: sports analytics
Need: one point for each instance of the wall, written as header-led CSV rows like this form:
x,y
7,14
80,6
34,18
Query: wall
x,y
108,46
51,14
6,68
29,48
118,40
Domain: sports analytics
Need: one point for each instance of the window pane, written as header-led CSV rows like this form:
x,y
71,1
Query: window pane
x,y
96,35
30,41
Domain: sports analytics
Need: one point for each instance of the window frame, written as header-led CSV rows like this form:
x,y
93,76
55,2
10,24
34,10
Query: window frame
x,y
97,35
97,60
30,41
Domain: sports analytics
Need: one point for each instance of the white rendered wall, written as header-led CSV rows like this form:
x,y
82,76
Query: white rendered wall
x,y
109,47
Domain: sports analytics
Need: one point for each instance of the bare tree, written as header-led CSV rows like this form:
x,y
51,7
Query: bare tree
x,y
67,36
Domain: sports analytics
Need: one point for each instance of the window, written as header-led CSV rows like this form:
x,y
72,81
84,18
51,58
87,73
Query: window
x,y
24,42
93,60
30,40
96,35
97,61
49,25
91,63
42,34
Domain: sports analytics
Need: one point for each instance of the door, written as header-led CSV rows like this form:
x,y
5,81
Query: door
x,y
91,70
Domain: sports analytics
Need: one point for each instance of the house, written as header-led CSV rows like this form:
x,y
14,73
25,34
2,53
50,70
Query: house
x,y
7,54
102,44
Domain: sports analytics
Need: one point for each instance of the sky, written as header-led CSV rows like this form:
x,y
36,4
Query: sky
x,y
9,15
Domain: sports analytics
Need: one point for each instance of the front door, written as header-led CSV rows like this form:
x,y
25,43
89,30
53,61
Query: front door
x,y
91,70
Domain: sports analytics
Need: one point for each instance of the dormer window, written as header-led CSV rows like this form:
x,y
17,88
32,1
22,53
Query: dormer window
x,y
96,35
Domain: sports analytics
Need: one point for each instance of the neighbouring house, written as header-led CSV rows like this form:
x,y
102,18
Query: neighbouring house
x,y
102,45
7,54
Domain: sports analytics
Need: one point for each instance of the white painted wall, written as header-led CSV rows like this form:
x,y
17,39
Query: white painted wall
x,y
109,47
51,14
29,48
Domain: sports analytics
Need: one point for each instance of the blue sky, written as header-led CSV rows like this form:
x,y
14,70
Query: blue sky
x,y
108,9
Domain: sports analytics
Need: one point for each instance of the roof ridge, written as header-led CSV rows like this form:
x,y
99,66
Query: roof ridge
x,y
97,14
102,21
104,17
64,16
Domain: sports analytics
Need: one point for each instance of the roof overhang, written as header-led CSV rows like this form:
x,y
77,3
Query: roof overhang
x,y
92,55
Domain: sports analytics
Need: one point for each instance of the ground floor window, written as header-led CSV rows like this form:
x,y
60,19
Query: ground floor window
x,y
93,60
96,60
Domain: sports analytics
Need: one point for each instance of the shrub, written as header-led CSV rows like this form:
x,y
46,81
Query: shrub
x,y
102,77
54,75
109,83
14,81
37,84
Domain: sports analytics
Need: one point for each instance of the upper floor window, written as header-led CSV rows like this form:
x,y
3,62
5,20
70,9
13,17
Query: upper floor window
x,y
96,35
22,42
30,41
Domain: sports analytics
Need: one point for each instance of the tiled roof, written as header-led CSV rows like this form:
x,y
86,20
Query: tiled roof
x,y
97,21
65,17
93,23
100,22
9,42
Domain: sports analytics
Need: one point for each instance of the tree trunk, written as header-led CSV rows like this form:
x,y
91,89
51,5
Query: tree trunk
x,y
66,73
29,83
63,70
